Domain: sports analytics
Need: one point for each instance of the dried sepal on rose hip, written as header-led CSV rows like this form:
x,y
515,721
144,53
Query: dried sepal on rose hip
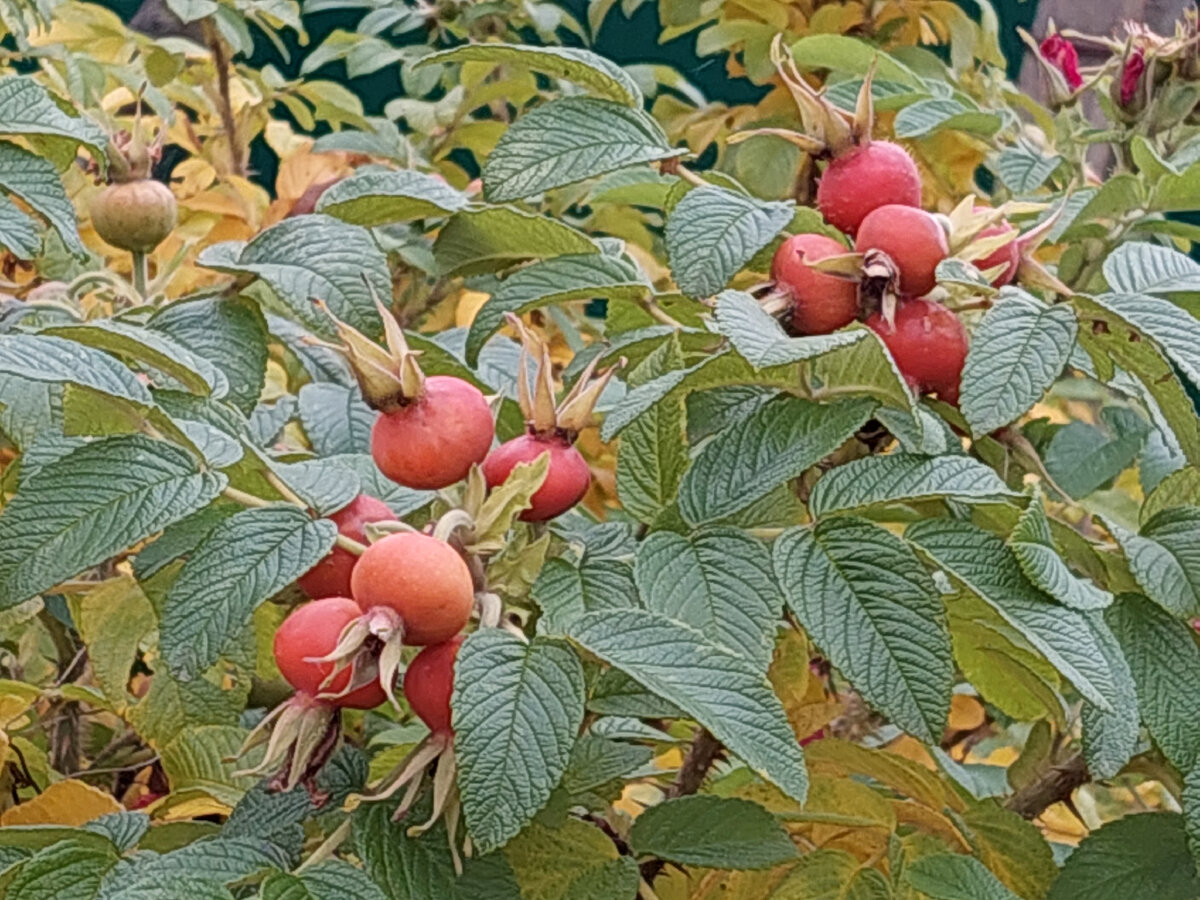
x,y
984,237
302,732
550,430
428,687
862,174
430,430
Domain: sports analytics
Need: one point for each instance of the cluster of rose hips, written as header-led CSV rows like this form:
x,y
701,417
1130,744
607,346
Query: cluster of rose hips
x,y
343,649
870,191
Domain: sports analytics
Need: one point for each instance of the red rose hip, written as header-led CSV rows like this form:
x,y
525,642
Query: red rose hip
x,y
312,631
871,175
913,239
821,303
331,576
432,441
929,345
429,684
566,481
424,581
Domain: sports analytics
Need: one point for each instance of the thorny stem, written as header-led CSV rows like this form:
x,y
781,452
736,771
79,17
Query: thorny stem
x,y
350,545
659,314
704,751
232,493
237,162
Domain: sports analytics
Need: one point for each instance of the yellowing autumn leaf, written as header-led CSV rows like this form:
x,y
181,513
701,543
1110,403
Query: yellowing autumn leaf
x,y
72,803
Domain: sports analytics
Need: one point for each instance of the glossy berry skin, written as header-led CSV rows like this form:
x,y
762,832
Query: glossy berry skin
x,y
331,576
1008,256
312,631
423,580
820,303
929,345
432,442
135,215
871,175
915,241
429,682
566,481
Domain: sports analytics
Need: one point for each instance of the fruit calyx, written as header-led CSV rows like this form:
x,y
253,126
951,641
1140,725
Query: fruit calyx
x,y
389,377
543,417
982,235
301,735
828,130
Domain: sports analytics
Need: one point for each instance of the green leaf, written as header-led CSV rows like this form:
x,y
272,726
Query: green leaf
x,y
1016,353
559,280
20,235
867,601
517,709
865,367
1139,857
142,345
243,561
596,761
601,77
1013,848
906,478
716,832
712,233
400,499
123,828
1164,560
336,419
718,581
68,868
314,257
27,108
985,566
204,757
564,591
483,239
928,116
59,361
1023,169
1137,267
575,862
1033,545
93,503
1165,662
192,871
1110,339
330,880
36,181
946,876
716,370
832,875
1083,458
725,693
654,449
840,53
758,336
229,332
1111,738
776,443
568,140
1176,332
384,197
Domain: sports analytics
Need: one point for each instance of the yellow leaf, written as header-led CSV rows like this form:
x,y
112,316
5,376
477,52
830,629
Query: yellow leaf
x,y
966,713
926,819
468,305
187,805
834,757
71,803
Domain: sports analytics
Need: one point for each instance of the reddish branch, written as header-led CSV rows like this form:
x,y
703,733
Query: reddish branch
x,y
225,104
704,751
1054,785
